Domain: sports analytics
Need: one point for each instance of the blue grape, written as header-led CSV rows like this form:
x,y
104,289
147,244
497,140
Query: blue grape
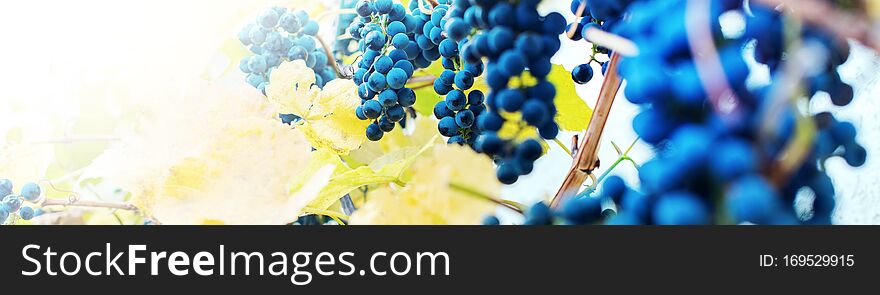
x,y
680,208
491,220
374,133
751,199
464,119
456,100
397,78
372,109
582,74
448,127
12,203
26,213
582,210
538,214
30,191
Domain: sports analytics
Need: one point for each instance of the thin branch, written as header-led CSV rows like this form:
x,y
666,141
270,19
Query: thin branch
x,y
836,22
587,158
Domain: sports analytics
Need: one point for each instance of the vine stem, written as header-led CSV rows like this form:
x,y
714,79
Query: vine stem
x,y
838,23
587,158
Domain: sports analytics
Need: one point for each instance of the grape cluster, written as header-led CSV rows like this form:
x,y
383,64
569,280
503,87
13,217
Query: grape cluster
x,y
280,35
706,158
386,37
446,32
518,43
12,204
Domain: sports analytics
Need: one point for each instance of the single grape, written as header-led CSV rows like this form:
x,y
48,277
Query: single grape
x,y
582,74
374,133
26,213
12,203
30,192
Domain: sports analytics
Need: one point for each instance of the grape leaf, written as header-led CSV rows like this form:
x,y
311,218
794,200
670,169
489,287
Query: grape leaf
x,y
430,197
573,114
420,132
388,168
328,118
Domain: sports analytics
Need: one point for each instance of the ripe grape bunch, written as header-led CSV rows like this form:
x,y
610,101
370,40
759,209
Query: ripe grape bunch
x,y
385,34
444,34
12,204
708,157
518,44
281,35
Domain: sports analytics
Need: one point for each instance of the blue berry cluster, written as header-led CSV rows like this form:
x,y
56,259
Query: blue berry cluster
x,y
706,157
517,42
14,204
446,32
386,36
280,35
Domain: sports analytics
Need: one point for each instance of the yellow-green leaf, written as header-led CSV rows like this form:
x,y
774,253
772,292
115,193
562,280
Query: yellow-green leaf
x,y
430,197
573,114
389,168
328,119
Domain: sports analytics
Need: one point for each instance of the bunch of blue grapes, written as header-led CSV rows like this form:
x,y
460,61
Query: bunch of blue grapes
x,y
713,168
443,35
12,204
281,35
386,37
517,43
